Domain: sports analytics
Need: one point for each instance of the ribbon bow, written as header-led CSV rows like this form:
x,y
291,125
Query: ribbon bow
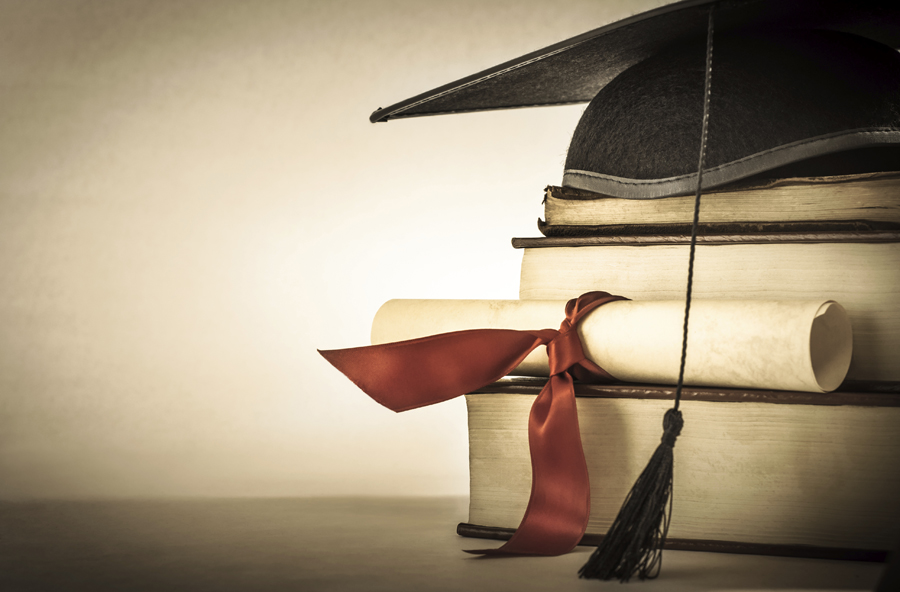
x,y
418,372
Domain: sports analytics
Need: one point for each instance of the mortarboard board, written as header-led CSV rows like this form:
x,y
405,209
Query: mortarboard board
x,y
795,85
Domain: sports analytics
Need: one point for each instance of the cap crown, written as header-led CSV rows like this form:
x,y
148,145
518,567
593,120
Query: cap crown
x,y
776,99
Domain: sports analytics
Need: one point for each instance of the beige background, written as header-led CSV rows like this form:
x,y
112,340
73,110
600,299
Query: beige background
x,y
192,200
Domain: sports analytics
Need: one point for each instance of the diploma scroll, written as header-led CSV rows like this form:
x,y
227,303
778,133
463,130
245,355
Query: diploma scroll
x,y
784,345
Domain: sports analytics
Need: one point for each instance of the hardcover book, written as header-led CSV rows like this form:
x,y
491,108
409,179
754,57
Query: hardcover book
x,y
859,270
842,202
766,472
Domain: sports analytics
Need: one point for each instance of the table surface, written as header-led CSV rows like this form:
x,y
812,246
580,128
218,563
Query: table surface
x,y
343,544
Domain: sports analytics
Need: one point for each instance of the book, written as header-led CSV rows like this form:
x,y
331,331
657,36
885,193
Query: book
x,y
861,271
869,201
766,472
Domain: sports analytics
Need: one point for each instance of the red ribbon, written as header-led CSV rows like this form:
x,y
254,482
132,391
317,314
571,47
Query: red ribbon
x,y
409,374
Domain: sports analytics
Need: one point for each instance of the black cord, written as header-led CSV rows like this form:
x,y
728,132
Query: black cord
x,y
700,165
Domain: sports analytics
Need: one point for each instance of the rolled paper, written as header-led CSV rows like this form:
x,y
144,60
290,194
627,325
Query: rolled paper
x,y
799,345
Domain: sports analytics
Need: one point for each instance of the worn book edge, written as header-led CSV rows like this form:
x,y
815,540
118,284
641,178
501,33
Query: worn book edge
x,y
859,393
807,551
811,203
878,236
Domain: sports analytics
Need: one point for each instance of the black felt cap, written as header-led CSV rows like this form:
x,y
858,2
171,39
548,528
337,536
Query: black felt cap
x,y
803,103
798,84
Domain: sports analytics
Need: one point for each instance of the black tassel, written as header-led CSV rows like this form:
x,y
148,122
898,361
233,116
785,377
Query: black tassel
x,y
633,544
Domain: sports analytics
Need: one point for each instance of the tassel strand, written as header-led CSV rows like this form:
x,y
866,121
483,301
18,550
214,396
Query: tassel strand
x,y
643,521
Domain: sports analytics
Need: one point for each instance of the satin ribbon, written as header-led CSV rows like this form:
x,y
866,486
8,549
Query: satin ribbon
x,y
409,374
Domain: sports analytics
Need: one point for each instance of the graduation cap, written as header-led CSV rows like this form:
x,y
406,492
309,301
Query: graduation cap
x,y
801,88
792,87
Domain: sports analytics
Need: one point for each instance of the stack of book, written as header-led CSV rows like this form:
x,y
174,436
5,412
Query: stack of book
x,y
788,95
827,237
755,471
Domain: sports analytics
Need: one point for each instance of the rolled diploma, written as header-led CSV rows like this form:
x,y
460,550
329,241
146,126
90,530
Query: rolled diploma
x,y
799,345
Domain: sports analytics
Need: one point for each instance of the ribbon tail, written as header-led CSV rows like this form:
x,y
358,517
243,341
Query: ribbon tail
x,y
560,503
418,372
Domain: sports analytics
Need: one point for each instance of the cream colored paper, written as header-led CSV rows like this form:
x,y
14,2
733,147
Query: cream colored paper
x,y
785,345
